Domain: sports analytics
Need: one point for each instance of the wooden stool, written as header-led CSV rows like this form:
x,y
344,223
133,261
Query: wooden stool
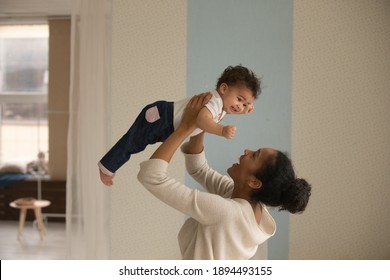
x,y
36,205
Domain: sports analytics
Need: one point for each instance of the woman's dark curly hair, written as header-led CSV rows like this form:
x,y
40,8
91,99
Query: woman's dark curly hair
x,y
240,75
280,188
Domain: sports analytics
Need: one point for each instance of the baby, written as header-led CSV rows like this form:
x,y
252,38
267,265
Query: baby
x,y
235,92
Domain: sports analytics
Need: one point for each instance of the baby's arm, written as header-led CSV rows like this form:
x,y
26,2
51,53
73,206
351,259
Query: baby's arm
x,y
205,122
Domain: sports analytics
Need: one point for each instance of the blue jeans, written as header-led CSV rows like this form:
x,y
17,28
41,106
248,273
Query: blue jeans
x,y
143,132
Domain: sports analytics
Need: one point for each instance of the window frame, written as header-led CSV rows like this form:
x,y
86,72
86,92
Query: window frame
x,y
20,97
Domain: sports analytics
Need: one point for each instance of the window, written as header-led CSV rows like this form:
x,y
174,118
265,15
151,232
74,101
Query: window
x,y
23,92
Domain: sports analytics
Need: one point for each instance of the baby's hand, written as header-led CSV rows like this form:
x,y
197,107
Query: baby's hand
x,y
107,180
228,131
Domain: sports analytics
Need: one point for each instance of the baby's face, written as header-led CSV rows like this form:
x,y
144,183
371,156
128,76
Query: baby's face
x,y
236,99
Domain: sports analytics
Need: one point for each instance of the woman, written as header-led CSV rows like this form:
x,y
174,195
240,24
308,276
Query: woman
x,y
231,219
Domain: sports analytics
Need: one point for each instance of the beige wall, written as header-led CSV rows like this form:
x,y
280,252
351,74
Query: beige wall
x,y
58,98
148,64
341,135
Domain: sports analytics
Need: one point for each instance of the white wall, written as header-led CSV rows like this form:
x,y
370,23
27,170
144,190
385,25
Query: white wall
x,y
340,129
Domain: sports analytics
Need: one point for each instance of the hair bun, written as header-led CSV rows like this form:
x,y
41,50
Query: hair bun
x,y
295,196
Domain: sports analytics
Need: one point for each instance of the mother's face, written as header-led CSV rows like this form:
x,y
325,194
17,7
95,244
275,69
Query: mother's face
x,y
250,163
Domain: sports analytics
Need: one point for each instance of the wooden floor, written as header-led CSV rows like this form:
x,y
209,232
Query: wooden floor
x,y
31,247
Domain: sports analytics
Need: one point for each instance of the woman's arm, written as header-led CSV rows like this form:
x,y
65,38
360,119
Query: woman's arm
x,y
198,168
195,145
204,207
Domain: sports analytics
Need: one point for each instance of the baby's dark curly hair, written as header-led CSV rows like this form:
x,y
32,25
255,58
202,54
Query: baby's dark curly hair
x,y
280,188
240,75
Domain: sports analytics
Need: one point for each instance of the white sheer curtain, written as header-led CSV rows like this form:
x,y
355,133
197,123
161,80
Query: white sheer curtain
x,y
87,199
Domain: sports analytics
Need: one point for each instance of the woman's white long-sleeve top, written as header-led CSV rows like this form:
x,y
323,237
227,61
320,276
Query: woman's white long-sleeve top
x,y
218,227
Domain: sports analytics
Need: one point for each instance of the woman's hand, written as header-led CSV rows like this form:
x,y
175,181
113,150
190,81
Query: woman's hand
x,y
192,110
168,148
